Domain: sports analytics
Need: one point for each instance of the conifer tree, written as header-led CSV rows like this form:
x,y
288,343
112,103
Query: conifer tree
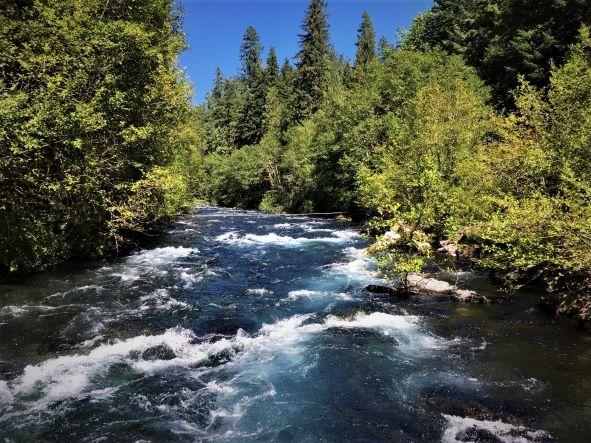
x,y
250,54
286,81
272,68
286,69
251,124
366,42
216,105
312,60
218,85
214,98
384,48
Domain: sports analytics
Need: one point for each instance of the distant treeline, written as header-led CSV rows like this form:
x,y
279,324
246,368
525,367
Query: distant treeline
x,y
473,126
97,148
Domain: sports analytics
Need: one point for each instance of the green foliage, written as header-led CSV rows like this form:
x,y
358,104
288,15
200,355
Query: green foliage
x,y
539,179
251,123
396,265
90,105
250,54
411,176
384,50
504,39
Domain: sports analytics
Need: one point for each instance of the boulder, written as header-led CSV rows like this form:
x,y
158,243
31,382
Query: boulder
x,y
468,296
468,252
389,240
430,286
460,252
449,249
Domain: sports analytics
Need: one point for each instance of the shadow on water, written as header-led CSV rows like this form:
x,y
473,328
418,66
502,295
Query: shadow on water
x,y
246,326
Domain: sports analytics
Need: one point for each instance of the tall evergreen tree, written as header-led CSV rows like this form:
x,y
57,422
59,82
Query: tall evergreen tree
x,y
312,60
366,42
217,92
251,124
250,54
286,80
272,68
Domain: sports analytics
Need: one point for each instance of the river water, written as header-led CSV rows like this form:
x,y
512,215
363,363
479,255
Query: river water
x,y
243,326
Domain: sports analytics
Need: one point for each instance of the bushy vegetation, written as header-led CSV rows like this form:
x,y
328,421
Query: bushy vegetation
x,y
472,128
98,144
503,39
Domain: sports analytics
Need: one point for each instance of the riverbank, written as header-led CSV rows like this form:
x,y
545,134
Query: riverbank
x,y
403,251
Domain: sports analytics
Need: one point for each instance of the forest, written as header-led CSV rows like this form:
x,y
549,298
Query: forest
x,y
472,128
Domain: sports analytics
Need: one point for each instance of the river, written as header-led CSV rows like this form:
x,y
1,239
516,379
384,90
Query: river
x,y
244,326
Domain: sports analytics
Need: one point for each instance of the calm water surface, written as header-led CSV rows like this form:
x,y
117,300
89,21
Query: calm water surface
x,y
242,326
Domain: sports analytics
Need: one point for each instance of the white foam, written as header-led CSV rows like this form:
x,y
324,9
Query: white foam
x,y
128,276
358,268
285,334
78,289
380,321
284,225
458,426
219,387
161,300
311,229
86,344
151,260
160,256
258,291
6,396
305,293
14,311
189,279
69,376
17,311
404,328
281,240
236,410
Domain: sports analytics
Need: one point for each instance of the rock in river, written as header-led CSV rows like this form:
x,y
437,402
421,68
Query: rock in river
x,y
431,286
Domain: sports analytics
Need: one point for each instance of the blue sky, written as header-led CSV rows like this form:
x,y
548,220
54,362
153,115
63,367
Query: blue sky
x,y
214,29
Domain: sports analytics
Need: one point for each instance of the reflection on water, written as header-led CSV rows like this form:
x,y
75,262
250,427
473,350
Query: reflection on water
x,y
247,326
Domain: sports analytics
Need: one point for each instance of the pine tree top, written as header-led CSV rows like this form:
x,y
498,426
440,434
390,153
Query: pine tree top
x,y
250,53
272,66
314,40
366,41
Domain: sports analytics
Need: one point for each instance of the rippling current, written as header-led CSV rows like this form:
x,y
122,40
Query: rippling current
x,y
242,326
